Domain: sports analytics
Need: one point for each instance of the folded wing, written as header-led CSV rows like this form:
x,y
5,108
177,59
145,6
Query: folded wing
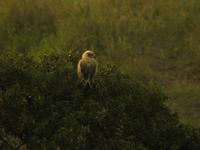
x,y
87,69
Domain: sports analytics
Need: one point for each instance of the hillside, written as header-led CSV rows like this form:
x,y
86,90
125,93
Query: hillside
x,y
154,41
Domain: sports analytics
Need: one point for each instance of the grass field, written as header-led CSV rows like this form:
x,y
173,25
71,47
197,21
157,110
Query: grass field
x,y
153,40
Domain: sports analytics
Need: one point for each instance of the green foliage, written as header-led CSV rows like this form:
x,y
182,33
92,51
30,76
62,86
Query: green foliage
x,y
43,107
24,25
150,39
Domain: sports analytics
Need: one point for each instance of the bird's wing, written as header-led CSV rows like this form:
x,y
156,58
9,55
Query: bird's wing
x,y
93,67
87,68
83,68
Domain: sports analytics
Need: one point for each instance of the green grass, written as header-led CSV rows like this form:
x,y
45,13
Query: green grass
x,y
154,40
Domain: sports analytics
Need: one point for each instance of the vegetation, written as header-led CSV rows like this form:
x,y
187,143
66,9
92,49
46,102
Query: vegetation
x,y
156,42
149,39
43,107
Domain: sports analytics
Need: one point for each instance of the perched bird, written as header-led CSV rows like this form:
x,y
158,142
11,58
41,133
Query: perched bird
x,y
87,68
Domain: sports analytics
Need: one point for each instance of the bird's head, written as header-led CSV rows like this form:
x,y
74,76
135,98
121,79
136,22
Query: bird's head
x,y
88,54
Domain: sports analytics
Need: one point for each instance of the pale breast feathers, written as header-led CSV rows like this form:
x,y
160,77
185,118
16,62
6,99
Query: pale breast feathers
x,y
87,68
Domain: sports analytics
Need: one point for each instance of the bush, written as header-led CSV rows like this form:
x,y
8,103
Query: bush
x,y
43,107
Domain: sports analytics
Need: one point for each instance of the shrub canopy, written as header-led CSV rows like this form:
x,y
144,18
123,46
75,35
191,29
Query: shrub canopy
x,y
42,105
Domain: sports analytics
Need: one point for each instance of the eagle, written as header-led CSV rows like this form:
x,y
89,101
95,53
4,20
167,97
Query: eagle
x,y
87,68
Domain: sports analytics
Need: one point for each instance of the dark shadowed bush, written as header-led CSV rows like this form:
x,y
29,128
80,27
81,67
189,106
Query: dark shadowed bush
x,y
43,106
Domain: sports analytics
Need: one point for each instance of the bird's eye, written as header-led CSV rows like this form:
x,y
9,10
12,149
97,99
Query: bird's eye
x,y
90,55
